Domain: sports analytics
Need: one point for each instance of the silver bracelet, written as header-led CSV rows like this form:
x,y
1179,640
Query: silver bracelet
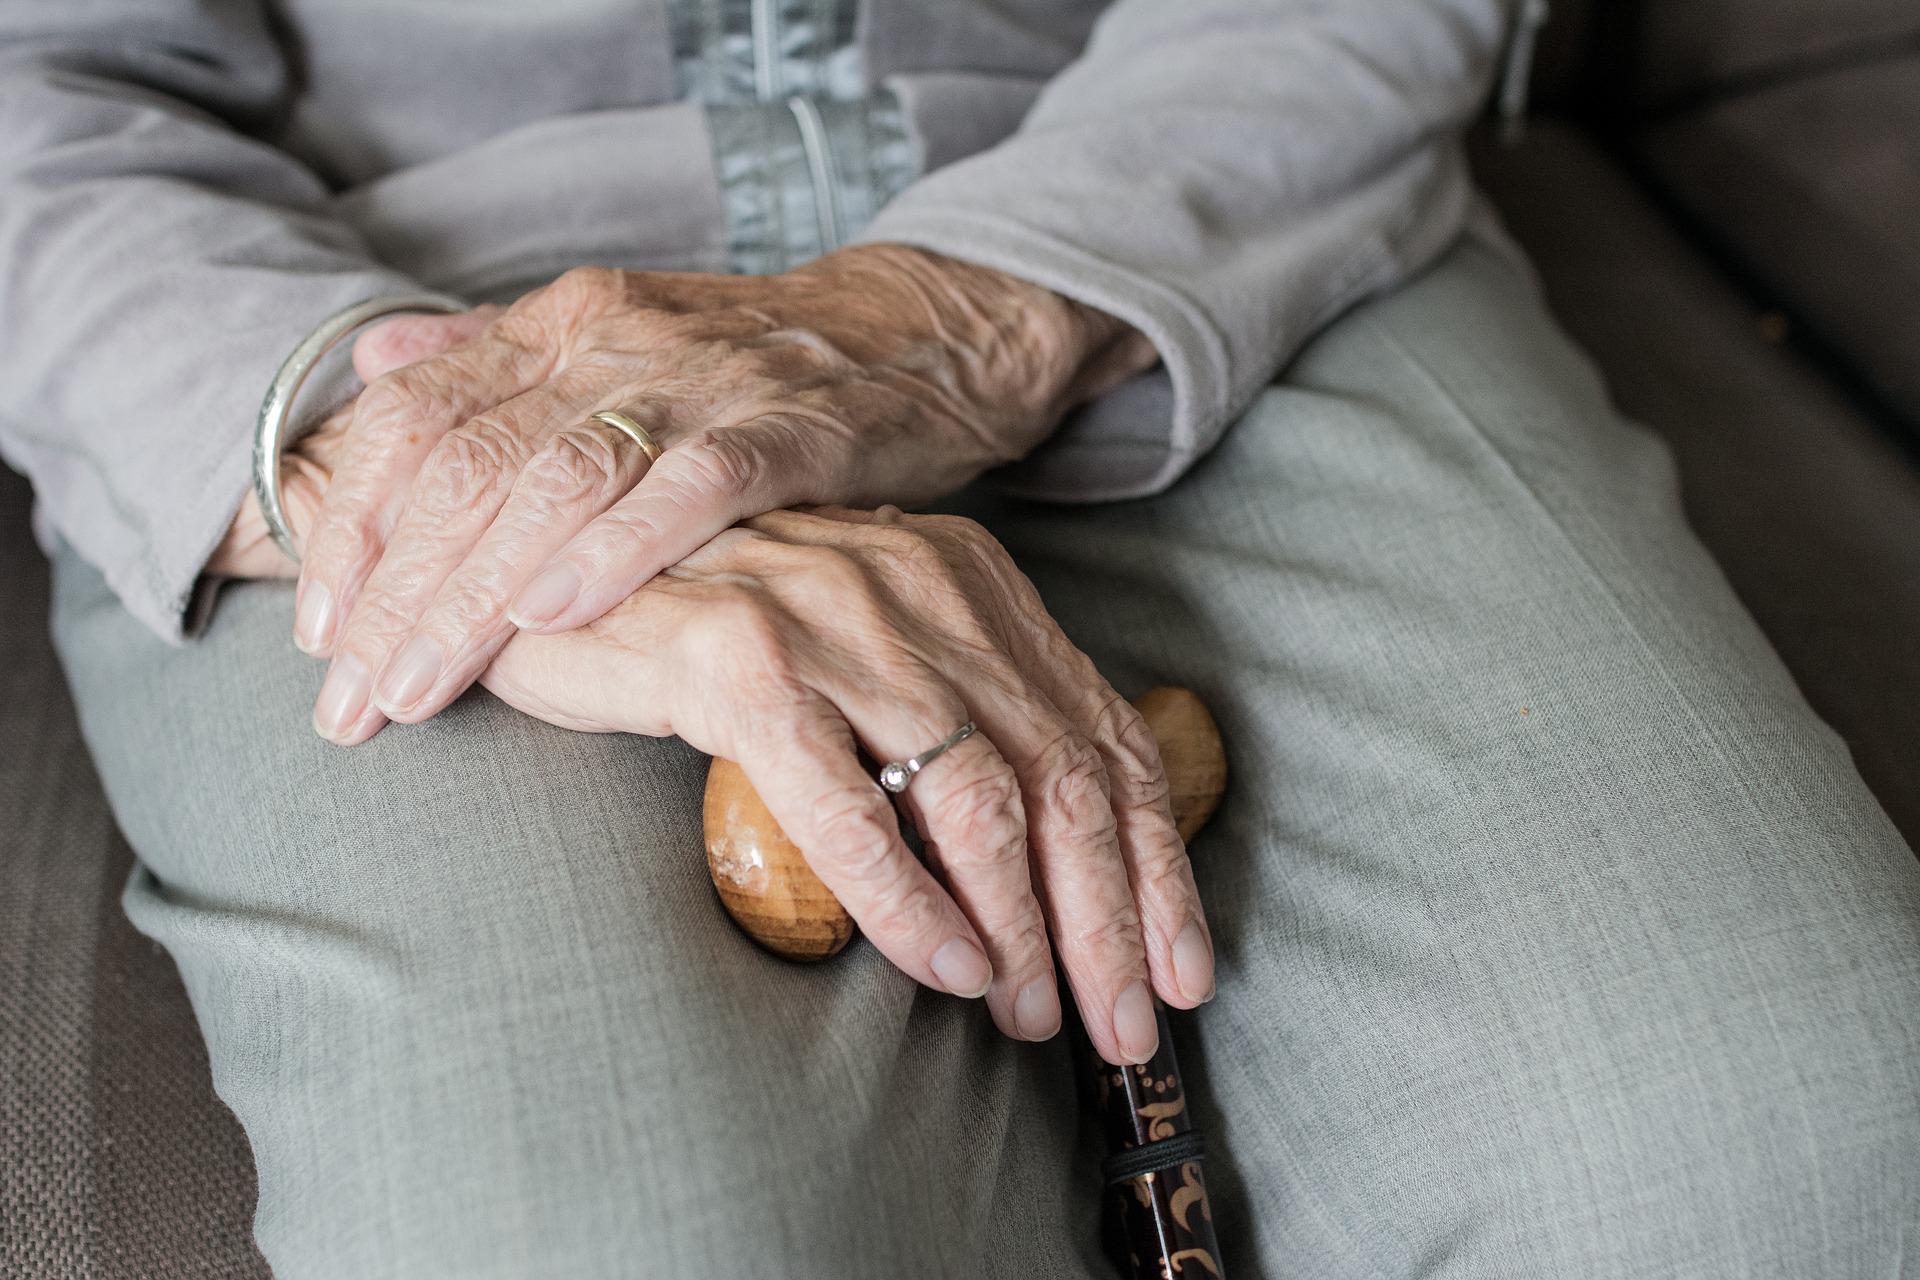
x,y
270,437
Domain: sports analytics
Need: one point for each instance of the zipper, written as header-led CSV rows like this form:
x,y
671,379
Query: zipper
x,y
765,18
1518,69
826,181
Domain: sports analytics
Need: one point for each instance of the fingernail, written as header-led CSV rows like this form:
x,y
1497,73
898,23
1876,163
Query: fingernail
x,y
411,673
342,698
1193,963
1036,1010
963,969
313,623
1134,1025
541,600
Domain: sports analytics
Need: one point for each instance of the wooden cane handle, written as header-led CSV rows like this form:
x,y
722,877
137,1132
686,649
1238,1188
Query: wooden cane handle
x,y
770,891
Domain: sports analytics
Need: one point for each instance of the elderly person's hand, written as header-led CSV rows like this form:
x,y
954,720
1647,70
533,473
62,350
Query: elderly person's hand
x,y
473,494
787,642
306,469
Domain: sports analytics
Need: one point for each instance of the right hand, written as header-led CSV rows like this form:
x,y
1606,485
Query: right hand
x,y
786,643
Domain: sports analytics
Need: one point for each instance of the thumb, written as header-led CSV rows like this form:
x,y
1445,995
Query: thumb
x,y
404,339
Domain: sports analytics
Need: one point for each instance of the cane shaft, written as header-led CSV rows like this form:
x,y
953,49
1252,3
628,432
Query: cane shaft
x,y
1158,1223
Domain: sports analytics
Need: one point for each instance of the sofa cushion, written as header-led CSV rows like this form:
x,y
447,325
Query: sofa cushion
x,y
1814,188
1690,49
116,1160
1809,504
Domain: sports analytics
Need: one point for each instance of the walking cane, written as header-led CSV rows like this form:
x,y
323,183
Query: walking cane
x,y
1159,1225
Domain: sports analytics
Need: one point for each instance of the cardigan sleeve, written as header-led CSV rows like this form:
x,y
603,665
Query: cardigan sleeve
x,y
1226,176
156,264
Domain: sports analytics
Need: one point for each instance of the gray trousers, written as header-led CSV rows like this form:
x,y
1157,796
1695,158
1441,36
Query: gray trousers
x,y
1557,935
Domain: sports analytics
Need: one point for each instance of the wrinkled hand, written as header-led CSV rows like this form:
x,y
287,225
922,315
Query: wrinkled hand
x,y
473,496
248,550
784,643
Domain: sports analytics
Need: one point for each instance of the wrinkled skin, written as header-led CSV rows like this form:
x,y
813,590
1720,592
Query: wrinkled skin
x,y
785,642
472,495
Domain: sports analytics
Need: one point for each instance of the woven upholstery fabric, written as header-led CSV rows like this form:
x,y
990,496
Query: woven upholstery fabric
x,y
50,885
116,1160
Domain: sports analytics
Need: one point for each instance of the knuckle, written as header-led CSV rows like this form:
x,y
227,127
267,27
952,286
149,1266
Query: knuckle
x,y
573,466
621,534
915,556
1137,776
386,400
345,534
959,531
465,466
1028,938
392,408
376,618
469,607
983,813
741,631
1076,782
852,825
834,571
906,908
1117,938
1164,875
977,556
958,528
904,534
715,464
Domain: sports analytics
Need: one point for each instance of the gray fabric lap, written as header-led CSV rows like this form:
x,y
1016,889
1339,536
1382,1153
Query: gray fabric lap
x,y
1557,935
474,1002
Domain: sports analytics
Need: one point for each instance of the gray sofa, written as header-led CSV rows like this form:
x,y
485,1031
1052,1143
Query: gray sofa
x,y
1723,197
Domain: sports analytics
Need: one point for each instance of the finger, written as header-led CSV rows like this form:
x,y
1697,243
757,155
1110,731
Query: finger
x,y
808,773
578,472
402,340
1078,869
1179,943
967,805
460,489
693,492
1077,865
397,421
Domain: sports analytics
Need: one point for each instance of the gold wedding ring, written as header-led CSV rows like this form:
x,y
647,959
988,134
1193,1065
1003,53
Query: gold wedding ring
x,y
637,433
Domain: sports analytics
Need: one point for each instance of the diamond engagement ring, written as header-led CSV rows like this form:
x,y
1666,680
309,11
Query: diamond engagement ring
x,y
894,777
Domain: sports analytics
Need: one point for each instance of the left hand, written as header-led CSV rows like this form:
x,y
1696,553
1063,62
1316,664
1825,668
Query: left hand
x,y
474,497
306,468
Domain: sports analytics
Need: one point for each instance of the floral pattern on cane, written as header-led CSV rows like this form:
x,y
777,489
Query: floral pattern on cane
x,y
1159,1117
1190,1192
1176,1265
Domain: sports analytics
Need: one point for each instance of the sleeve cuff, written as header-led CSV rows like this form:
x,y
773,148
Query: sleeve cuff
x,y
162,583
